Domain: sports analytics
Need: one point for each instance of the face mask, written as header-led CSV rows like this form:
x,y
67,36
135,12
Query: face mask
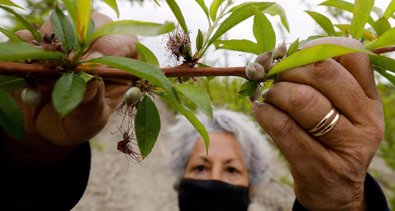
x,y
212,195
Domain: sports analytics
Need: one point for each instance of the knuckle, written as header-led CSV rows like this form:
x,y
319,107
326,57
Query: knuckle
x,y
283,126
301,97
324,71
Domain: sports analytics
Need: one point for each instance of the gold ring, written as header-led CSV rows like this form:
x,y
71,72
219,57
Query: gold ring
x,y
326,124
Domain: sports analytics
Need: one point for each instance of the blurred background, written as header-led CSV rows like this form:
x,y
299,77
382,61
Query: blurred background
x,y
118,183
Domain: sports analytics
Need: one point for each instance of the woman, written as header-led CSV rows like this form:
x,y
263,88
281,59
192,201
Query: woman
x,y
226,177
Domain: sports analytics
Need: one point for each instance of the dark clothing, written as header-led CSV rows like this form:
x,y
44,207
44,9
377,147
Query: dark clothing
x,y
60,187
375,199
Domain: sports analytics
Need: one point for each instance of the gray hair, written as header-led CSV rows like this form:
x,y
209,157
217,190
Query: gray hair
x,y
256,150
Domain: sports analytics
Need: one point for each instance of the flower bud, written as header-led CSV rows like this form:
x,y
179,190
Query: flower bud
x,y
255,72
280,51
265,59
132,96
31,97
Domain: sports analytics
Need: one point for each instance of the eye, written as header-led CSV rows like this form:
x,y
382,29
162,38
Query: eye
x,y
232,170
200,168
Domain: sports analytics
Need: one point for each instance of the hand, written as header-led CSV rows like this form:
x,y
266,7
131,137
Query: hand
x,y
328,170
50,137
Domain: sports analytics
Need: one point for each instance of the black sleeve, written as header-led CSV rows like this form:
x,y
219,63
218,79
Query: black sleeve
x,y
57,188
374,196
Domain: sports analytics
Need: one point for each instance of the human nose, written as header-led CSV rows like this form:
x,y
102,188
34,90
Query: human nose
x,y
216,173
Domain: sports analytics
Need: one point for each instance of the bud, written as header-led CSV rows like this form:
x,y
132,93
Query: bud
x,y
255,72
132,96
280,51
31,97
265,59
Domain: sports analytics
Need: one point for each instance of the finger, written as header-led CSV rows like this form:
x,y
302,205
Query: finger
x,y
115,89
114,45
358,64
100,19
296,145
335,83
25,35
308,107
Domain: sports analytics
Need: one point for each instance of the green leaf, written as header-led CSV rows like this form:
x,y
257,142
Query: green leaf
x,y
198,96
113,4
325,23
362,10
68,92
390,10
276,9
139,69
9,83
11,35
83,11
10,3
37,36
190,116
178,14
147,55
71,8
133,27
237,16
248,88
204,8
313,54
24,51
11,117
214,8
147,125
238,45
294,47
263,32
385,40
383,62
382,25
387,75
199,40
63,30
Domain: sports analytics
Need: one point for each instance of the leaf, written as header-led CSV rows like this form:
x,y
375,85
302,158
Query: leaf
x,y
204,8
325,23
147,125
147,55
37,36
382,25
68,92
248,88
190,116
113,4
390,10
71,8
313,54
24,51
387,75
293,47
214,8
276,9
198,96
238,45
139,69
11,117
199,40
385,40
238,16
11,35
263,32
361,11
83,9
63,30
383,62
132,27
10,3
9,83
178,14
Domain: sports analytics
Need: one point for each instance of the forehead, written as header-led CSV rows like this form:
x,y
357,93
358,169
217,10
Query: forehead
x,y
223,146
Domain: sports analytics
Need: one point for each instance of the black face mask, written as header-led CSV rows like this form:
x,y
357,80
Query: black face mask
x,y
212,195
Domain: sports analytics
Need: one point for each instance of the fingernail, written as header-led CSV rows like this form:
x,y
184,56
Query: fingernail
x,y
94,55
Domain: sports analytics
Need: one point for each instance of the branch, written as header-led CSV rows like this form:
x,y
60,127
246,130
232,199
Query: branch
x,y
49,70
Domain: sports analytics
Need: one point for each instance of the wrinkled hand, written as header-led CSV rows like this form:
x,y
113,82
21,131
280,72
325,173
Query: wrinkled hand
x,y
329,170
46,131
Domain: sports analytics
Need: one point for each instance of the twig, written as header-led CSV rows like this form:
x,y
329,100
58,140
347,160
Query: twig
x,y
49,70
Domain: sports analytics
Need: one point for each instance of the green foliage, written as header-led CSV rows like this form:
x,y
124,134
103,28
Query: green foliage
x,y
198,96
11,117
248,88
9,84
361,14
113,4
68,92
147,55
178,14
62,29
324,22
147,125
22,51
10,35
